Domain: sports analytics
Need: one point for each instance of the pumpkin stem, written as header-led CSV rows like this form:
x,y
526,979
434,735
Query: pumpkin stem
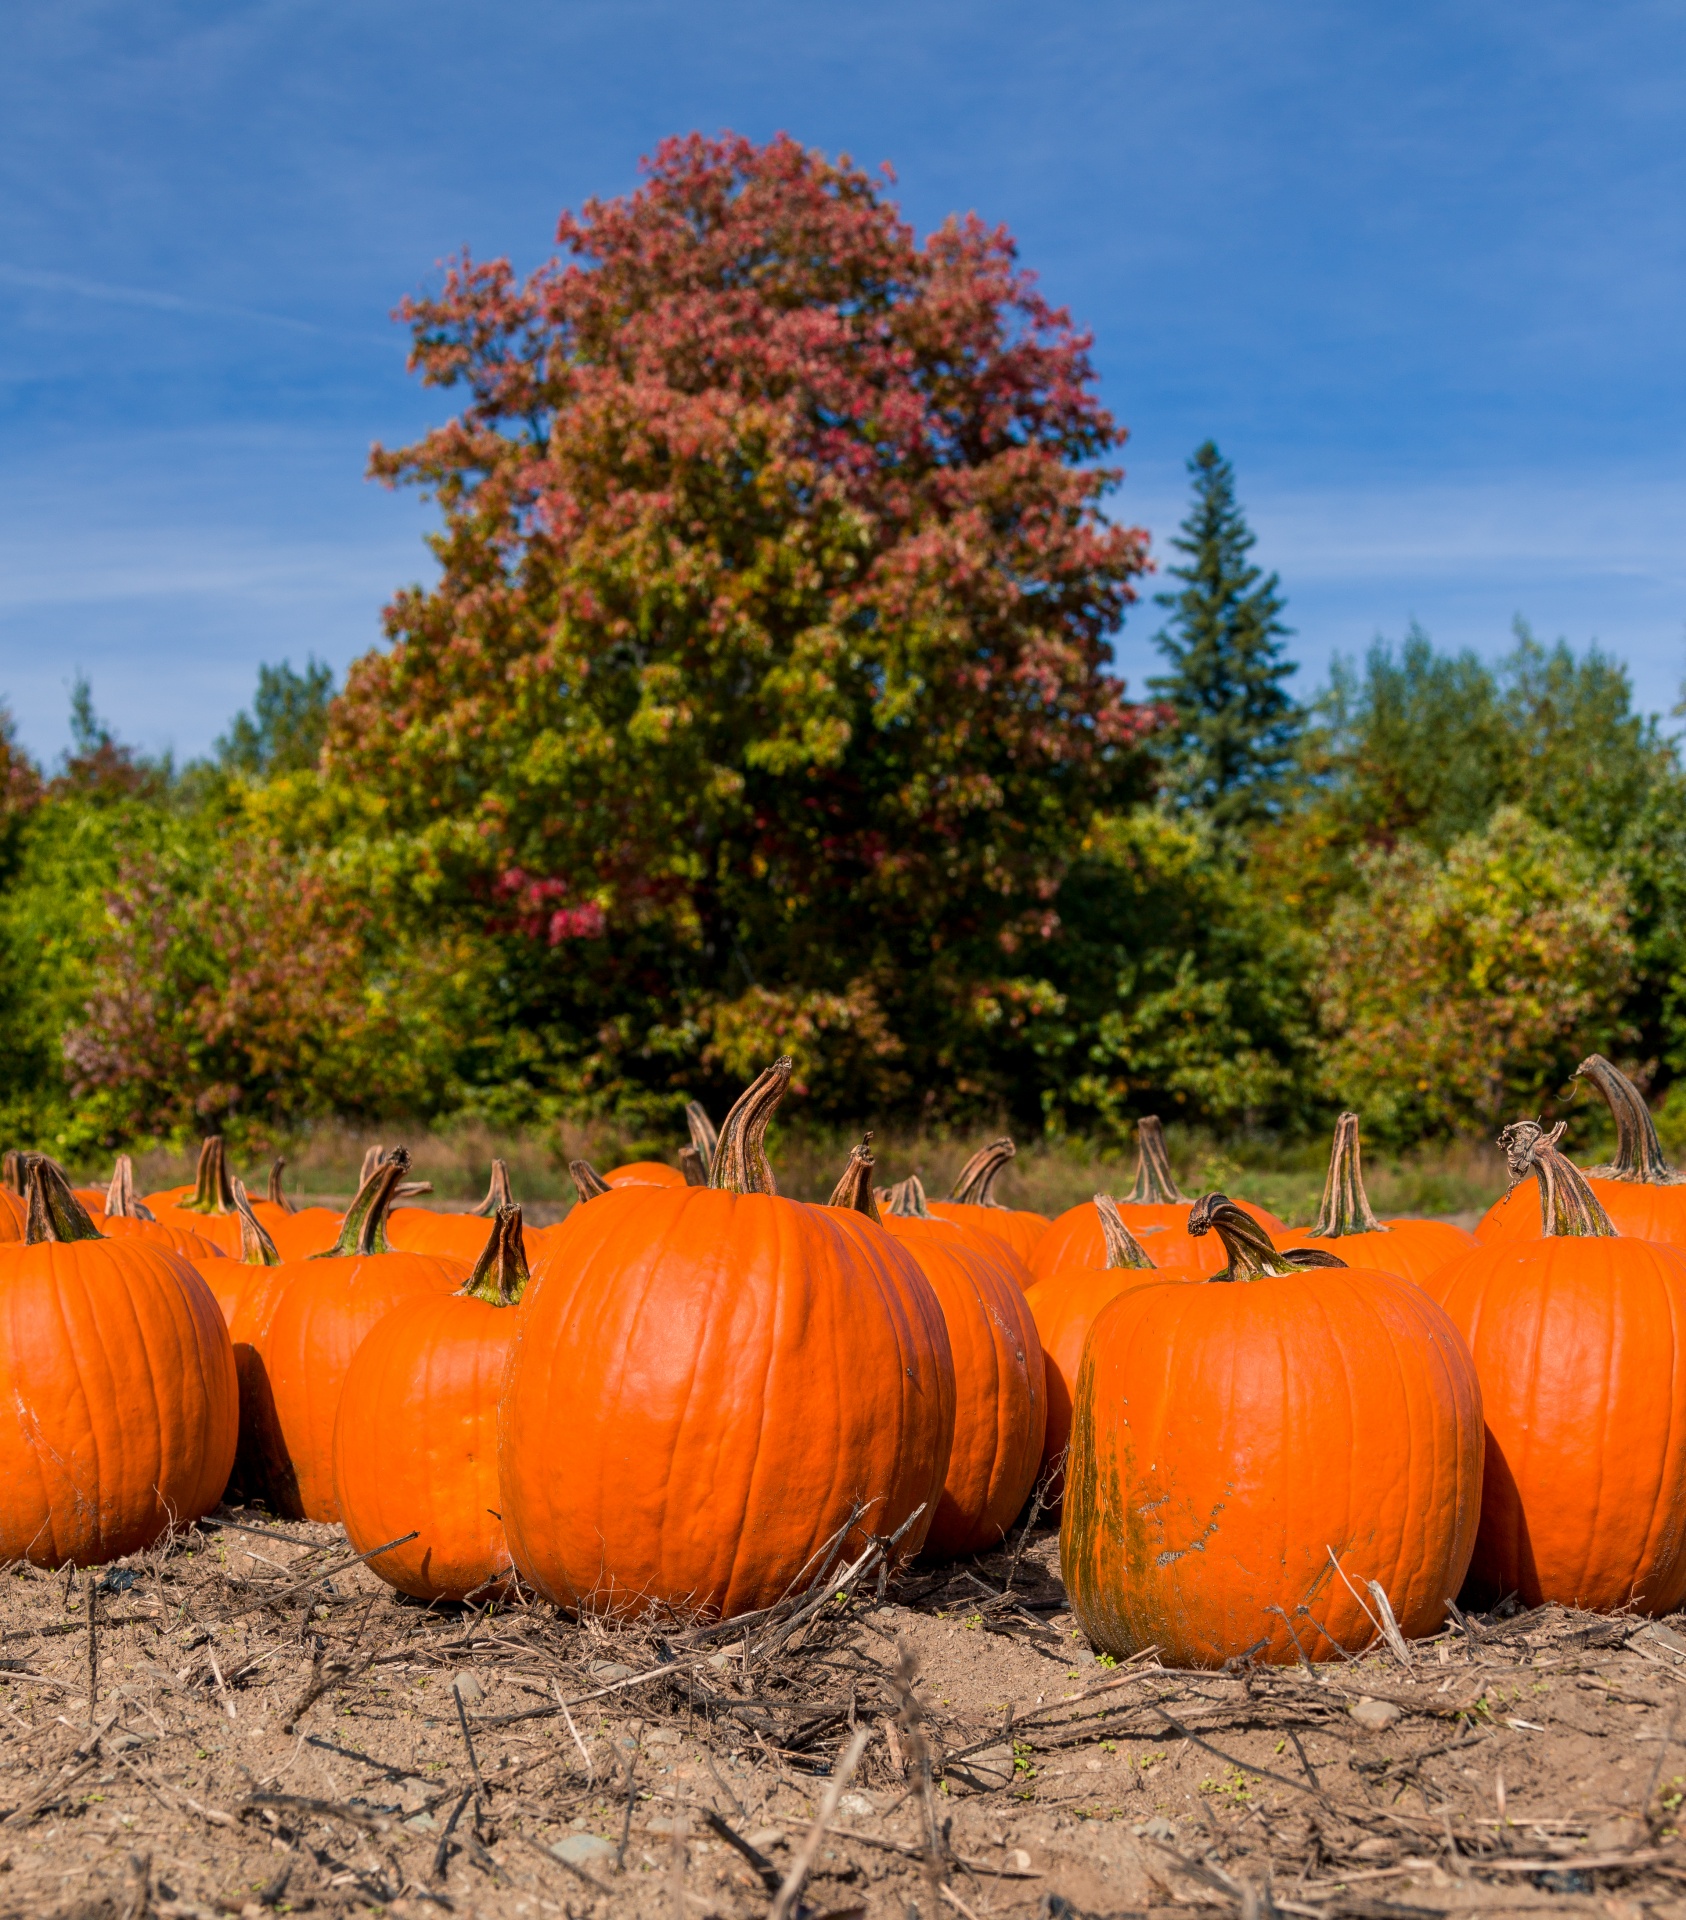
x,y
1123,1249
906,1199
371,1160
55,1213
704,1136
975,1186
854,1191
1156,1185
1253,1255
212,1192
500,1275
364,1228
740,1159
1639,1153
693,1163
1346,1206
1568,1206
11,1171
588,1182
120,1201
256,1247
498,1194
275,1196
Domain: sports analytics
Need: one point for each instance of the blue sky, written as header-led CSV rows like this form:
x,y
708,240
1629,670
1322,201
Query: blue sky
x,y
1419,269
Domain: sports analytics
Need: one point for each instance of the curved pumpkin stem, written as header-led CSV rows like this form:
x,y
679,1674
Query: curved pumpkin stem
x,y
976,1184
371,1160
120,1201
55,1213
853,1192
1253,1255
694,1165
704,1135
498,1195
11,1171
500,1275
256,1247
740,1160
364,1228
1156,1185
588,1182
1568,1206
906,1199
275,1196
1346,1206
1123,1249
1639,1153
212,1191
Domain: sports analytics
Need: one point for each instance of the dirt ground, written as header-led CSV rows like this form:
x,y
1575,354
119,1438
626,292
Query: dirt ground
x,y
248,1722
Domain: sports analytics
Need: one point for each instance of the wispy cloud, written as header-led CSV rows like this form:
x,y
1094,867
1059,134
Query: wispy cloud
x,y
39,280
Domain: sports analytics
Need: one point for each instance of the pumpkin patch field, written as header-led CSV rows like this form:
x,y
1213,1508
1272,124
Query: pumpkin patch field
x,y
711,1550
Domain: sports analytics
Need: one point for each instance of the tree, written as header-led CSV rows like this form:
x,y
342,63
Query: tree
x,y
287,725
768,654
1236,724
97,764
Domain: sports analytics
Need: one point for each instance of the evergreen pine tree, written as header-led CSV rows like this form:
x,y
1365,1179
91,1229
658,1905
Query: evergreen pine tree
x,y
1236,724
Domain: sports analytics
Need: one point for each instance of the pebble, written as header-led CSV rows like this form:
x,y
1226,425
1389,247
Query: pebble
x,y
607,1670
581,1849
1377,1715
764,1839
469,1690
856,1805
1158,1828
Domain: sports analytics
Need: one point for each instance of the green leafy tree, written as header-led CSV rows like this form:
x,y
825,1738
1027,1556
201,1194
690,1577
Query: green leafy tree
x,y
1236,723
287,725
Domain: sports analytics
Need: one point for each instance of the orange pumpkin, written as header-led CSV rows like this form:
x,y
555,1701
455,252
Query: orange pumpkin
x,y
12,1216
1412,1249
323,1311
415,1440
1233,1433
711,1383
1000,1399
466,1236
645,1173
1579,1337
1064,1307
206,1209
1641,1194
973,1203
118,1384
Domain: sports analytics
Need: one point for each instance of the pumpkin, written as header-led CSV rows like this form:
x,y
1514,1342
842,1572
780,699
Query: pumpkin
x,y
1064,1307
1578,1339
415,1440
1412,1249
1000,1400
1641,1194
645,1173
973,1203
13,1217
1247,1444
118,1385
464,1235
275,1199
126,1218
207,1207
323,1311
710,1384
246,1291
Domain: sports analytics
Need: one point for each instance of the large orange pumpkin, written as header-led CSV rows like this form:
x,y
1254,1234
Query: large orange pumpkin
x,y
1064,1306
126,1218
709,1382
973,1202
1641,1194
1233,1433
118,1387
1412,1249
415,1440
1579,1337
324,1310
1000,1400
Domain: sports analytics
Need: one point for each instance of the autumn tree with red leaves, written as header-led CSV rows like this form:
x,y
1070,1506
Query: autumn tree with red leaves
x,y
764,685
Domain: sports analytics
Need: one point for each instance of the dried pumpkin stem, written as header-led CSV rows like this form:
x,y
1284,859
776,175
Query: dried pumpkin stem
x,y
1156,1185
120,1200
1253,1255
256,1247
1346,1206
371,1160
1568,1206
55,1213
499,1194
1639,1153
854,1191
589,1184
500,1275
11,1171
364,1227
704,1135
906,1199
275,1196
740,1160
976,1185
212,1192
693,1163
1123,1249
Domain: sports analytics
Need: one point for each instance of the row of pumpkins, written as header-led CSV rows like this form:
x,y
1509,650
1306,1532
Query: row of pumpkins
x,y
693,1391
